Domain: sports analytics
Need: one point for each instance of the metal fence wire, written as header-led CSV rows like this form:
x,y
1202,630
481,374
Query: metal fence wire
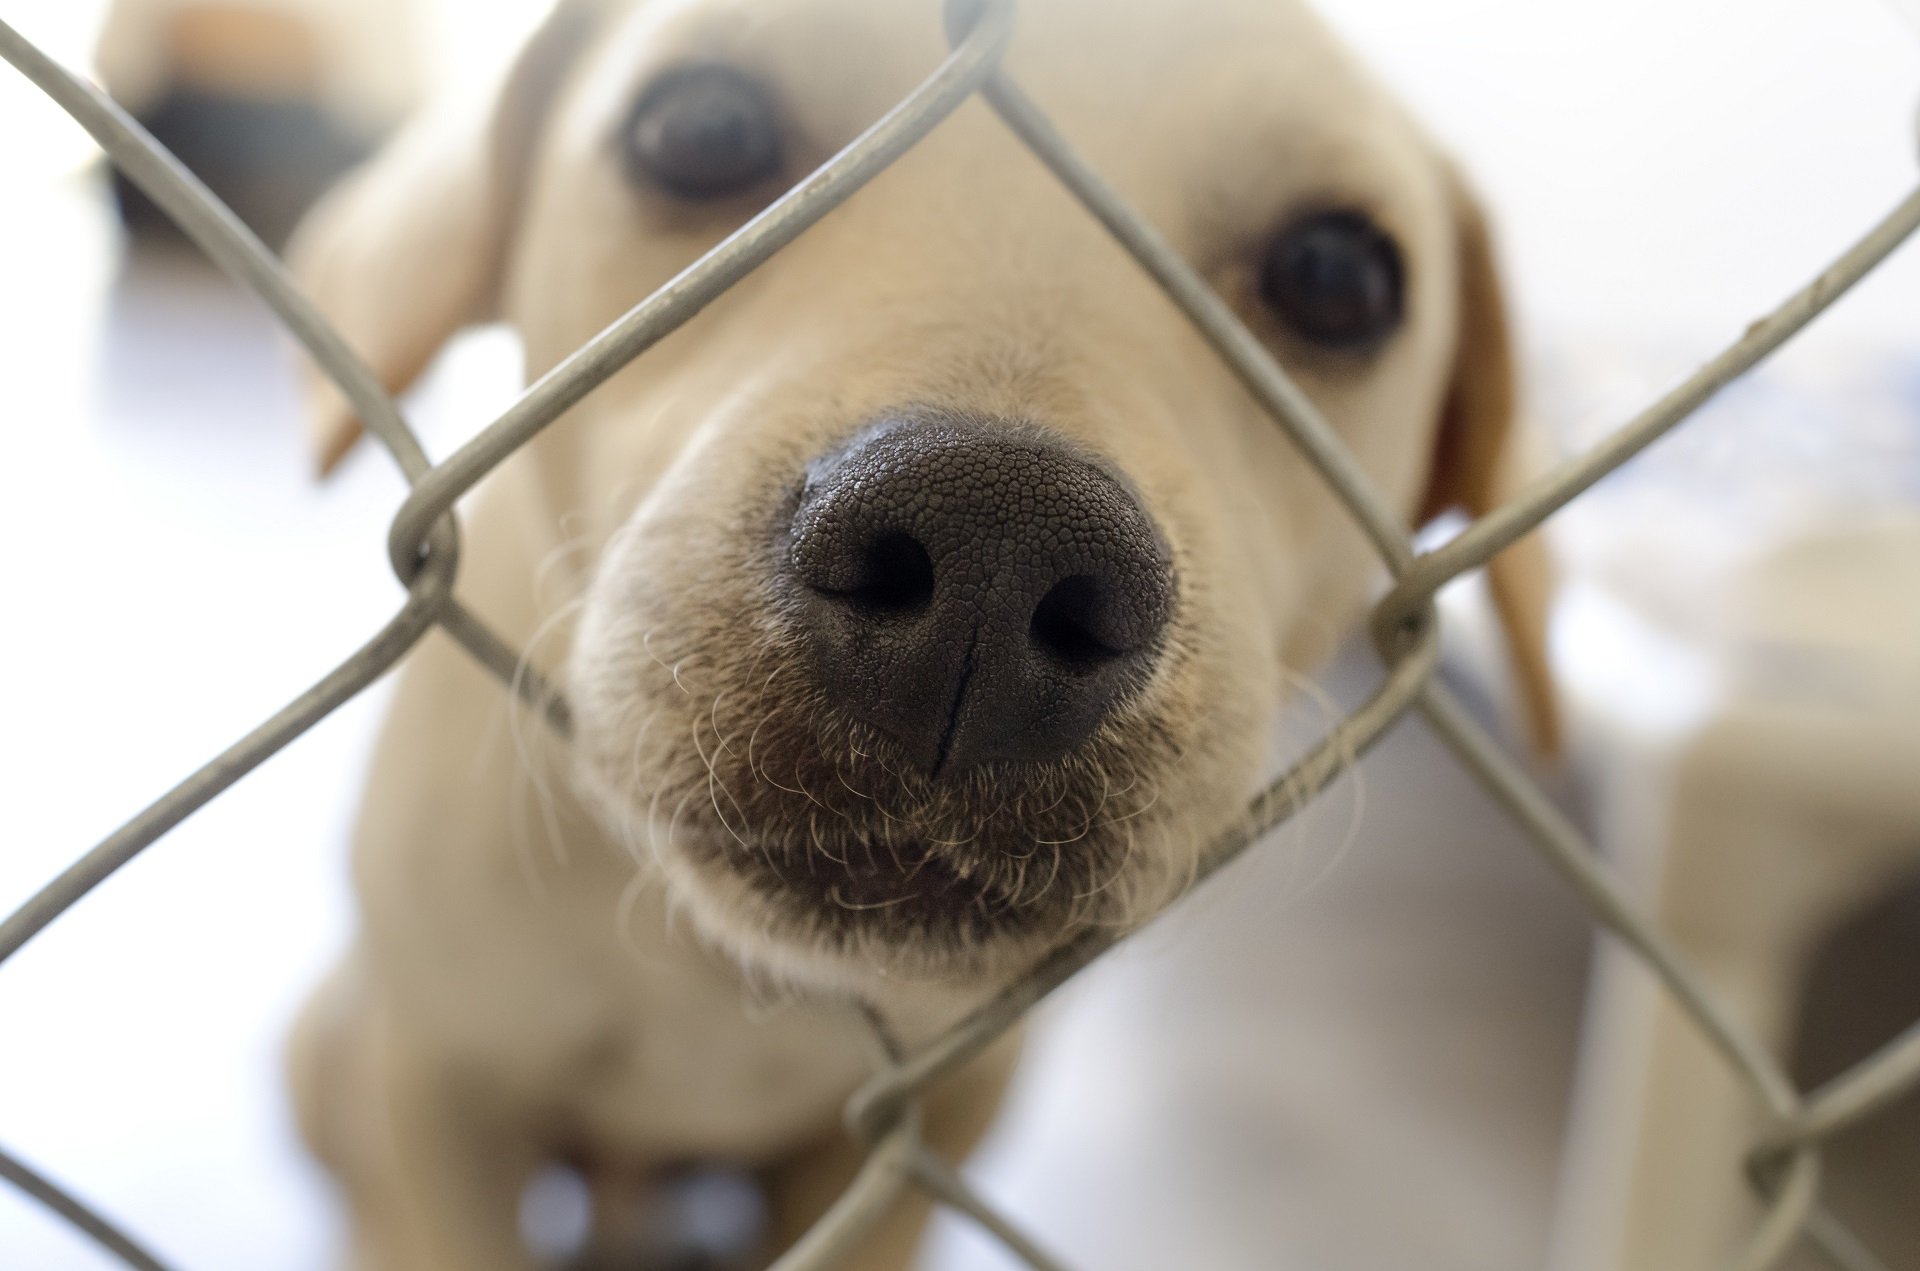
x,y
424,550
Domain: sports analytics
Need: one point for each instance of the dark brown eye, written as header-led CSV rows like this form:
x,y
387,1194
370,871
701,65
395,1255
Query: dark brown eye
x,y
1335,279
703,132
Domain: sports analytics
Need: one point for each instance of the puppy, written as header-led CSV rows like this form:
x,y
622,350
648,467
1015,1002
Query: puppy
x,y
925,601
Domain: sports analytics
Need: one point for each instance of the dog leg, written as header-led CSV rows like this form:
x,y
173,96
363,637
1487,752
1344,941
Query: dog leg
x,y
432,1164
955,1115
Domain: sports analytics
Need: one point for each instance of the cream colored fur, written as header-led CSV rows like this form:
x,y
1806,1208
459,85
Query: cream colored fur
x,y
542,965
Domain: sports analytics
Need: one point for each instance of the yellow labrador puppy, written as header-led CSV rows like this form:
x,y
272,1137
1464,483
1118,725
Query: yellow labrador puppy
x,y
925,601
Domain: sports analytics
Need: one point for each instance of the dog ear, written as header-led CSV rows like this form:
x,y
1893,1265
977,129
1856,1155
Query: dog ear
x,y
409,249
1482,457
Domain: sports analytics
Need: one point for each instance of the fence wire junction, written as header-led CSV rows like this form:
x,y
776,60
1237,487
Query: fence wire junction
x,y
424,551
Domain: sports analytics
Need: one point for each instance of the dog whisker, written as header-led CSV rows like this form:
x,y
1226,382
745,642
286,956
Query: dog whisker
x,y
833,894
534,766
715,787
918,865
1138,812
679,683
1118,868
628,919
673,825
1026,855
721,745
1052,874
819,843
1016,883
841,777
646,647
652,819
1348,765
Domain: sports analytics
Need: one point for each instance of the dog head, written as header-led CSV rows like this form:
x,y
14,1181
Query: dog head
x,y
946,582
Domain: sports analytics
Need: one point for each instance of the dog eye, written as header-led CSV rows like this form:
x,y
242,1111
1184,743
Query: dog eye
x,y
703,132
1335,278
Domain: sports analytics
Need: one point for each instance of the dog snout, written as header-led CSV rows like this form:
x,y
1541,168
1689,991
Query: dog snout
x,y
976,589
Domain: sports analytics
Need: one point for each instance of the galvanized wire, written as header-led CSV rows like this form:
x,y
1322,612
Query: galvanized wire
x,y
1862,1091
1499,529
79,1216
423,550
701,283
944,1182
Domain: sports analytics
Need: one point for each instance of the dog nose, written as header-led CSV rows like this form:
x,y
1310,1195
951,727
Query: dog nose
x,y
975,589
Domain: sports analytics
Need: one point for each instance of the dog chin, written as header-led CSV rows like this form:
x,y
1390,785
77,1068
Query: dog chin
x,y
837,917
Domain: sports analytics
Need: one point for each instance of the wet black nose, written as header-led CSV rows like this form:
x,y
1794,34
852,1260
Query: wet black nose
x,y
975,589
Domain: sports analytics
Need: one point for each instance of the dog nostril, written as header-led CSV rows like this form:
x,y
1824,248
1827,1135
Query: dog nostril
x,y
896,576
1069,620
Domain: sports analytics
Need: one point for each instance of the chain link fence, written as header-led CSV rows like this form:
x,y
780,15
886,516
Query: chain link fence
x,y
424,550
